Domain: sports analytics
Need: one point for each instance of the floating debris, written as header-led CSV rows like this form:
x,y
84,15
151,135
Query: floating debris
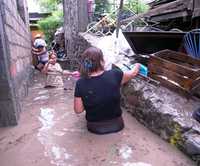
x,y
136,164
126,152
41,98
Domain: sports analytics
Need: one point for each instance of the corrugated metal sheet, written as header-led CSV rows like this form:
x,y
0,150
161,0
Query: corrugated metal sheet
x,y
175,9
196,12
172,10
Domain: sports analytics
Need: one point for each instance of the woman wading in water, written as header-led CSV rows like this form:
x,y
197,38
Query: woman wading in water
x,y
98,93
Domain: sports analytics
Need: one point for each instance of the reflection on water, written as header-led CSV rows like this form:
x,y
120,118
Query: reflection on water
x,y
57,154
136,164
125,152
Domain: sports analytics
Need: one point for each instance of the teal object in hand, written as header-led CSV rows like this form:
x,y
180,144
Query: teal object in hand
x,y
143,70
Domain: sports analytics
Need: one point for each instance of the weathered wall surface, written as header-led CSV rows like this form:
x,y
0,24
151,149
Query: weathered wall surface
x,y
15,55
166,113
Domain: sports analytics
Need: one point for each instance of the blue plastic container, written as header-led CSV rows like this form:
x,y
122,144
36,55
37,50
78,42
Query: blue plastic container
x,y
143,70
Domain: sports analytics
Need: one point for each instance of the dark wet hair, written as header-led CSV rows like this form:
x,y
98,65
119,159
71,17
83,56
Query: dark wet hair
x,y
91,61
39,47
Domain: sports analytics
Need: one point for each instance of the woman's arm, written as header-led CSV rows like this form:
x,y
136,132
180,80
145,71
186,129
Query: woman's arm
x,y
78,105
128,75
66,72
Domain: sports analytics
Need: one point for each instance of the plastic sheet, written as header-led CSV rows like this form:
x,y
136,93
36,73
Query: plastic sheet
x,y
115,50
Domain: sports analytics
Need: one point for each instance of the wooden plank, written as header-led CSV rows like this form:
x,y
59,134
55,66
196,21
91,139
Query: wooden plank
x,y
186,83
196,82
168,16
179,56
171,10
183,60
156,3
170,66
164,7
185,71
179,68
196,91
171,86
154,12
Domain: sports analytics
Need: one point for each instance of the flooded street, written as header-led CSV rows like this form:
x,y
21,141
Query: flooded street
x,y
50,133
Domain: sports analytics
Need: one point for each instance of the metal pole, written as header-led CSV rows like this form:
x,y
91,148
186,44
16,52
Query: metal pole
x,y
118,17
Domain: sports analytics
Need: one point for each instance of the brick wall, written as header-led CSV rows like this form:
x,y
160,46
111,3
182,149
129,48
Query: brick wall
x,y
15,55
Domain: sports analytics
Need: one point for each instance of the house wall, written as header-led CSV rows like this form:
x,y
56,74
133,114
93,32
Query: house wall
x,y
15,55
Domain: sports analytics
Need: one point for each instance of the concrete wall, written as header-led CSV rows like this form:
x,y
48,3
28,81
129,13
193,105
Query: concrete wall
x,y
166,113
15,59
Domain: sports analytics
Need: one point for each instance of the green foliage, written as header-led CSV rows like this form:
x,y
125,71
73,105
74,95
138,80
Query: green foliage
x,y
49,5
50,24
107,6
102,6
137,6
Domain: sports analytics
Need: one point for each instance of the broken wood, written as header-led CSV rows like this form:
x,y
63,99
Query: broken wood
x,y
175,70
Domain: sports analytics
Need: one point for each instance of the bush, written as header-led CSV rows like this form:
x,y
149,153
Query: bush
x,y
49,5
102,6
50,24
137,6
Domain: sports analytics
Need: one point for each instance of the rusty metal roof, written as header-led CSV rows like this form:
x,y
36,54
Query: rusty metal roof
x,y
196,12
174,9
167,9
156,3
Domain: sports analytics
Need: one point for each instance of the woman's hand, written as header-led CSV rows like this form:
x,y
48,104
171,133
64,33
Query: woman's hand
x,y
75,74
66,73
128,75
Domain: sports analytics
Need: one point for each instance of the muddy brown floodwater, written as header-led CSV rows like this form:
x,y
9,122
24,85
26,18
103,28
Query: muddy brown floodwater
x,y
50,133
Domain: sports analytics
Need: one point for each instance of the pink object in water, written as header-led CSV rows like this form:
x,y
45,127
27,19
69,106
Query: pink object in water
x,y
76,74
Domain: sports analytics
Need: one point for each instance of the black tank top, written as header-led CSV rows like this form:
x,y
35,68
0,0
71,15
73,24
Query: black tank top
x,y
101,95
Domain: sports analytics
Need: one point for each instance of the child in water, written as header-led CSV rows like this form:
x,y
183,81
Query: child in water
x,y
54,72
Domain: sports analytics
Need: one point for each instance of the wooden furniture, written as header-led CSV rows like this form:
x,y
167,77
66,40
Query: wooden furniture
x,y
175,70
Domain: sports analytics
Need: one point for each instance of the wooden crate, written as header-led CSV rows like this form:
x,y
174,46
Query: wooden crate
x,y
175,70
